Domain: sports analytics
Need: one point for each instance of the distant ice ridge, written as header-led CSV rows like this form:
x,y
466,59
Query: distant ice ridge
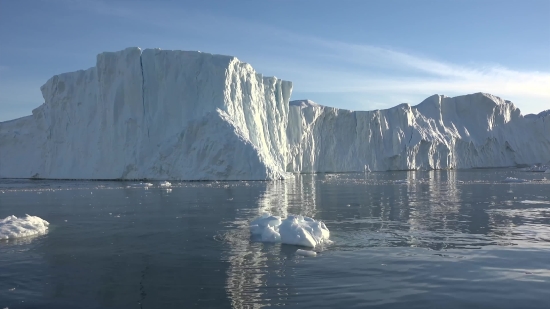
x,y
182,115
13,227
476,130
292,230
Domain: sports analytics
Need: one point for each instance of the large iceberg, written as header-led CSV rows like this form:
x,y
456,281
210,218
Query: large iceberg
x,y
153,114
471,131
182,115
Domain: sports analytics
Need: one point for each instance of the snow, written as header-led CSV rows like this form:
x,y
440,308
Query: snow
x,y
13,227
292,230
183,115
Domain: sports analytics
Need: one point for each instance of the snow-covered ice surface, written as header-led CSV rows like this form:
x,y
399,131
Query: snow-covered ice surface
x,y
292,230
12,227
184,115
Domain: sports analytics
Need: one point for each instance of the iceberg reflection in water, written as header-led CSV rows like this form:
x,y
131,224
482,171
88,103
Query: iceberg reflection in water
x,y
118,244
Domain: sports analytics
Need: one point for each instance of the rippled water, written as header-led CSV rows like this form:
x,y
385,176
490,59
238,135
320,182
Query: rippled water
x,y
441,239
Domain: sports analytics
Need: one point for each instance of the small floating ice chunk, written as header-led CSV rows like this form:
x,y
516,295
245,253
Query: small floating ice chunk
x,y
13,227
534,202
514,180
165,184
401,181
293,230
307,253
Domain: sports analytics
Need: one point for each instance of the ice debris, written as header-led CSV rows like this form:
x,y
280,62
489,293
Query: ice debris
x,y
537,168
13,227
165,184
307,253
514,180
401,181
292,230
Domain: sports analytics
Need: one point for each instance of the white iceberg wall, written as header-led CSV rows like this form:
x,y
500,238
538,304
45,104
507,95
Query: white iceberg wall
x,y
182,88
195,116
138,115
21,147
477,130
91,119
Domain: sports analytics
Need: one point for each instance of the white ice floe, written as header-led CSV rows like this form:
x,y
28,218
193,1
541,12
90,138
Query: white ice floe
x,y
165,184
537,168
293,230
534,202
13,227
514,180
307,253
401,181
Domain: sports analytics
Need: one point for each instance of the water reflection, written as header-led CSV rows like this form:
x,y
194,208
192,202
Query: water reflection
x,y
159,248
253,266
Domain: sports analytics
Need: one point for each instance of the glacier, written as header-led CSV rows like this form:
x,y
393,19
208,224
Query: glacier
x,y
185,115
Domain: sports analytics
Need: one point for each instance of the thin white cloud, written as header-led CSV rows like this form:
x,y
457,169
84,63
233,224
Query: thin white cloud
x,y
324,65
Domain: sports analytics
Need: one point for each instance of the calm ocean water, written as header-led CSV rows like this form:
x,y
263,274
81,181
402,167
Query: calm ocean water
x,y
444,239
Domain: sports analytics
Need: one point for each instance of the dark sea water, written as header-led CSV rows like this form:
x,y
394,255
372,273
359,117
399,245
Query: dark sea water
x,y
445,239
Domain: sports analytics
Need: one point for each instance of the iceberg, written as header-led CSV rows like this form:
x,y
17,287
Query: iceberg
x,y
471,131
183,115
292,230
13,227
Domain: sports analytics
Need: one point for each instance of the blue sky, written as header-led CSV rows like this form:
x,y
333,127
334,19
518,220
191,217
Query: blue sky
x,y
358,55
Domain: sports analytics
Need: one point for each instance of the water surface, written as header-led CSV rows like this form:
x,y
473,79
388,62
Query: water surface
x,y
442,239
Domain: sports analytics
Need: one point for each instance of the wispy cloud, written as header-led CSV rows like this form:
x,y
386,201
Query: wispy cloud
x,y
319,65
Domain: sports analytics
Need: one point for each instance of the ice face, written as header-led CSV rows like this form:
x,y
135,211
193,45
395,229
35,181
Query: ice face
x,y
13,227
476,130
184,115
157,115
293,230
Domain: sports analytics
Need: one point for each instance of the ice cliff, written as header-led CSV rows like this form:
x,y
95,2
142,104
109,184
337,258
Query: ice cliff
x,y
153,114
156,114
477,130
